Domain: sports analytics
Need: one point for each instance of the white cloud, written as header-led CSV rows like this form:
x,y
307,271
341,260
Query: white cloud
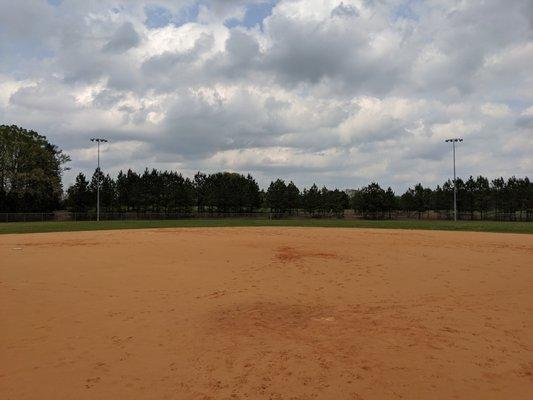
x,y
455,128
9,86
496,110
341,93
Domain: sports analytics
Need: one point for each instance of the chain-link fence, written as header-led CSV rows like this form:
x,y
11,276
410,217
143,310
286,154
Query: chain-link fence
x,y
520,216
524,216
27,217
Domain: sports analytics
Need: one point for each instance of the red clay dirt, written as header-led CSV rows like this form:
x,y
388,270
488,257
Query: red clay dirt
x,y
266,313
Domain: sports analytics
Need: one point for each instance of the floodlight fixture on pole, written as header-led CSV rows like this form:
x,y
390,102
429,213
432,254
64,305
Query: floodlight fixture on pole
x,y
98,141
453,141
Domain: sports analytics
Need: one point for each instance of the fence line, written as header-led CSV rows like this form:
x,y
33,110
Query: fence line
x,y
27,217
526,216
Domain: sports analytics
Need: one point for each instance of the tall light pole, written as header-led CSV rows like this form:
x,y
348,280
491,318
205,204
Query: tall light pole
x,y
98,141
453,141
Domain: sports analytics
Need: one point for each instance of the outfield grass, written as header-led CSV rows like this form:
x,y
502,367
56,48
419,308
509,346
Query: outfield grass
x,y
66,226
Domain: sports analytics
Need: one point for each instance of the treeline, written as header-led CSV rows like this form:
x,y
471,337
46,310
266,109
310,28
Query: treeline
x,y
475,195
31,169
164,191
169,191
286,198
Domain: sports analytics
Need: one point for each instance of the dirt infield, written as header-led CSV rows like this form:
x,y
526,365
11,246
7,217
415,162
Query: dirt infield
x,y
266,313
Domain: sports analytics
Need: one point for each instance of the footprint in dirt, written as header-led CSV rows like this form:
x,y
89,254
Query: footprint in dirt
x,y
90,382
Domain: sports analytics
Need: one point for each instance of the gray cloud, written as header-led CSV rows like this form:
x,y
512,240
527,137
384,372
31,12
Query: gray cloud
x,y
340,93
344,10
123,39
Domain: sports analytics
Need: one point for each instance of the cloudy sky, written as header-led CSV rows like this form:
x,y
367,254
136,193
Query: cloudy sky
x,y
339,93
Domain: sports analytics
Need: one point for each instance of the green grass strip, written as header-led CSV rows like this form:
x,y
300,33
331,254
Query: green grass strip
x,y
69,226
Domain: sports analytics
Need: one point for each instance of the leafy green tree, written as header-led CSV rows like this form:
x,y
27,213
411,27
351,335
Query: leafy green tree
x,y
133,190
356,200
200,188
525,196
439,200
108,194
30,171
107,190
182,192
470,196
324,204
498,190
231,192
123,195
461,195
311,200
276,196
252,195
370,200
407,200
390,201
482,195
421,198
293,197
337,201
97,179
79,196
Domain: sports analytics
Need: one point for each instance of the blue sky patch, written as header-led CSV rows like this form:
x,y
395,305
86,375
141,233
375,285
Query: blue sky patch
x,y
157,17
405,10
255,14
187,14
